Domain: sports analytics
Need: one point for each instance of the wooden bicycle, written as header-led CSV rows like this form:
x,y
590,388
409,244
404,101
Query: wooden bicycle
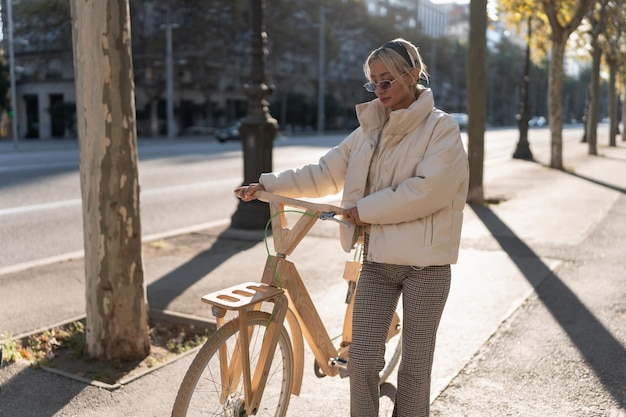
x,y
252,364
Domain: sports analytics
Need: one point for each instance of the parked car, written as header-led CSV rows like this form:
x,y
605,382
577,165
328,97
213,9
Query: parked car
x,y
228,133
199,130
537,121
461,119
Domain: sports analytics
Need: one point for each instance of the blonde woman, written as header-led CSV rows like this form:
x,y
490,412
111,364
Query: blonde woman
x,y
403,174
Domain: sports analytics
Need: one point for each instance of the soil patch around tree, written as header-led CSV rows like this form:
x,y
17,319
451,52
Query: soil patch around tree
x,y
60,349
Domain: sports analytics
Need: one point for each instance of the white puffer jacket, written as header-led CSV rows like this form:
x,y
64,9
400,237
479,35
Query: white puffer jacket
x,y
419,187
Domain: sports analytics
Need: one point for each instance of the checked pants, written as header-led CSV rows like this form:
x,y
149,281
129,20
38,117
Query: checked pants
x,y
424,294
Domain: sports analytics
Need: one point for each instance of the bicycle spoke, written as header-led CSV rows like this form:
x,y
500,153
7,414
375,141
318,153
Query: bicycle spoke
x,y
203,393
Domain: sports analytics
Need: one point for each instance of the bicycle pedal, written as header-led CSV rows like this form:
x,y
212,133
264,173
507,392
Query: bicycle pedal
x,y
341,364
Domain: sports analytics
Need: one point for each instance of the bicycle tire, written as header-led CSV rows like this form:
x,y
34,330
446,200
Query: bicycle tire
x,y
200,391
393,351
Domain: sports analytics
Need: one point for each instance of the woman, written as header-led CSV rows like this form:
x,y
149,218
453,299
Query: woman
x,y
404,176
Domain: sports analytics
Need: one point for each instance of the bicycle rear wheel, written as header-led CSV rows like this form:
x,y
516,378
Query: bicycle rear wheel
x,y
200,394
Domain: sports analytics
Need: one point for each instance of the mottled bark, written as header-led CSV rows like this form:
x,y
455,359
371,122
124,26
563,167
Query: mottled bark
x,y
555,102
623,131
593,107
117,313
613,63
598,20
561,28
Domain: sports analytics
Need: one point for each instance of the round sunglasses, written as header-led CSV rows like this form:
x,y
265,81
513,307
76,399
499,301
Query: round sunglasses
x,y
384,84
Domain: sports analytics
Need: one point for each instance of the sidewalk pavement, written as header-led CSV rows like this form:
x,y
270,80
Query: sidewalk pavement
x,y
534,324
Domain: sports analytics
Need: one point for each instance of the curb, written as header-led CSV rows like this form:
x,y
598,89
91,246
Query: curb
x,y
166,316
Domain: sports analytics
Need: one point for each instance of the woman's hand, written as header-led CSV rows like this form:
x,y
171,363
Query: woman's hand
x,y
351,215
246,192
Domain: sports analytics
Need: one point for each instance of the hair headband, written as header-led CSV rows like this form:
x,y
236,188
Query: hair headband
x,y
399,48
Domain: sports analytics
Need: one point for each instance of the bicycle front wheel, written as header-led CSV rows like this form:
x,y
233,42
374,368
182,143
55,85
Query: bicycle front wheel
x,y
202,394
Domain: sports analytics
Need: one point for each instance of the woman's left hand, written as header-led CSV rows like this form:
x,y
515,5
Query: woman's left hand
x,y
351,215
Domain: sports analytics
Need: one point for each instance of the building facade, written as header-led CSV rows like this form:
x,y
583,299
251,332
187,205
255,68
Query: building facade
x,y
206,81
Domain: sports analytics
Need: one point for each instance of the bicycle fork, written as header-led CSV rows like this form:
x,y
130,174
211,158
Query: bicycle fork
x,y
351,273
243,298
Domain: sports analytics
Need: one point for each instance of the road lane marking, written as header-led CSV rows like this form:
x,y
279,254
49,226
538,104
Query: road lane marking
x,y
80,254
76,202
153,191
37,207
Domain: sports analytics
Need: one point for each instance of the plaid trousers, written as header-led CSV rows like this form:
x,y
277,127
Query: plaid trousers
x,y
424,294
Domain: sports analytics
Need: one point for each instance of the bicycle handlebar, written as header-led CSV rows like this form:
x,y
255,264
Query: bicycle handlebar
x,y
308,205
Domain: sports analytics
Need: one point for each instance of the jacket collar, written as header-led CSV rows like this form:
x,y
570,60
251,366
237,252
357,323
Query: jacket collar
x,y
373,115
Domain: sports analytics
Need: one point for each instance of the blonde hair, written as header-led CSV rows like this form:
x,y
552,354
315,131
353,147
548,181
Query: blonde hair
x,y
397,62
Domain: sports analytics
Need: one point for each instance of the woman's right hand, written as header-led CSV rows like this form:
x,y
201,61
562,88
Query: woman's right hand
x,y
246,192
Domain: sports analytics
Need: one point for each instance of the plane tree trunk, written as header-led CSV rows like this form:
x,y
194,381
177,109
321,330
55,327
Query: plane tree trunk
x,y
117,311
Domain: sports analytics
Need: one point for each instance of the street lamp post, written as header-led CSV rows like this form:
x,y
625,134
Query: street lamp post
x,y
522,151
258,129
14,118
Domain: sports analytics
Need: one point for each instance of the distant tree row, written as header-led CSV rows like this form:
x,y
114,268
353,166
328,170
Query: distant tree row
x,y
593,30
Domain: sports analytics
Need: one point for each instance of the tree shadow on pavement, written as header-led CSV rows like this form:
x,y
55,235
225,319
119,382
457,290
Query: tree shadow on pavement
x,y
30,392
595,181
600,349
176,282
592,180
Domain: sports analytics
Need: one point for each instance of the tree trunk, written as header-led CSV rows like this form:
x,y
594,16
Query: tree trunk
x,y
593,109
561,30
624,115
476,101
117,313
555,100
612,99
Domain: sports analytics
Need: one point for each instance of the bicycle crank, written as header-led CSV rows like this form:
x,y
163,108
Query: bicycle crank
x,y
318,369
341,364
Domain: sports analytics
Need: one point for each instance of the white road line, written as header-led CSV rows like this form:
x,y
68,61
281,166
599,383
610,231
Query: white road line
x,y
79,254
37,207
149,238
76,202
154,191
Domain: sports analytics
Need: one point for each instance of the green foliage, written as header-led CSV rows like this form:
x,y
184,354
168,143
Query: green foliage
x,y
73,338
10,348
41,346
182,343
5,84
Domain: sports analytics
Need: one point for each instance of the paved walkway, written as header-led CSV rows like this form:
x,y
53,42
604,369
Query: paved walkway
x,y
533,325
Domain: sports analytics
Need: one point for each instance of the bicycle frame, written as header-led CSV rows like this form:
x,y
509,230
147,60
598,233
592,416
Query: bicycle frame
x,y
281,284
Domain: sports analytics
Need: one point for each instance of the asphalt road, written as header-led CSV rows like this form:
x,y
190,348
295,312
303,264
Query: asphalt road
x,y
183,184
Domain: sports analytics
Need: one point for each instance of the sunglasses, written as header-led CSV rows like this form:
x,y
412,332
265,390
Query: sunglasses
x,y
384,84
